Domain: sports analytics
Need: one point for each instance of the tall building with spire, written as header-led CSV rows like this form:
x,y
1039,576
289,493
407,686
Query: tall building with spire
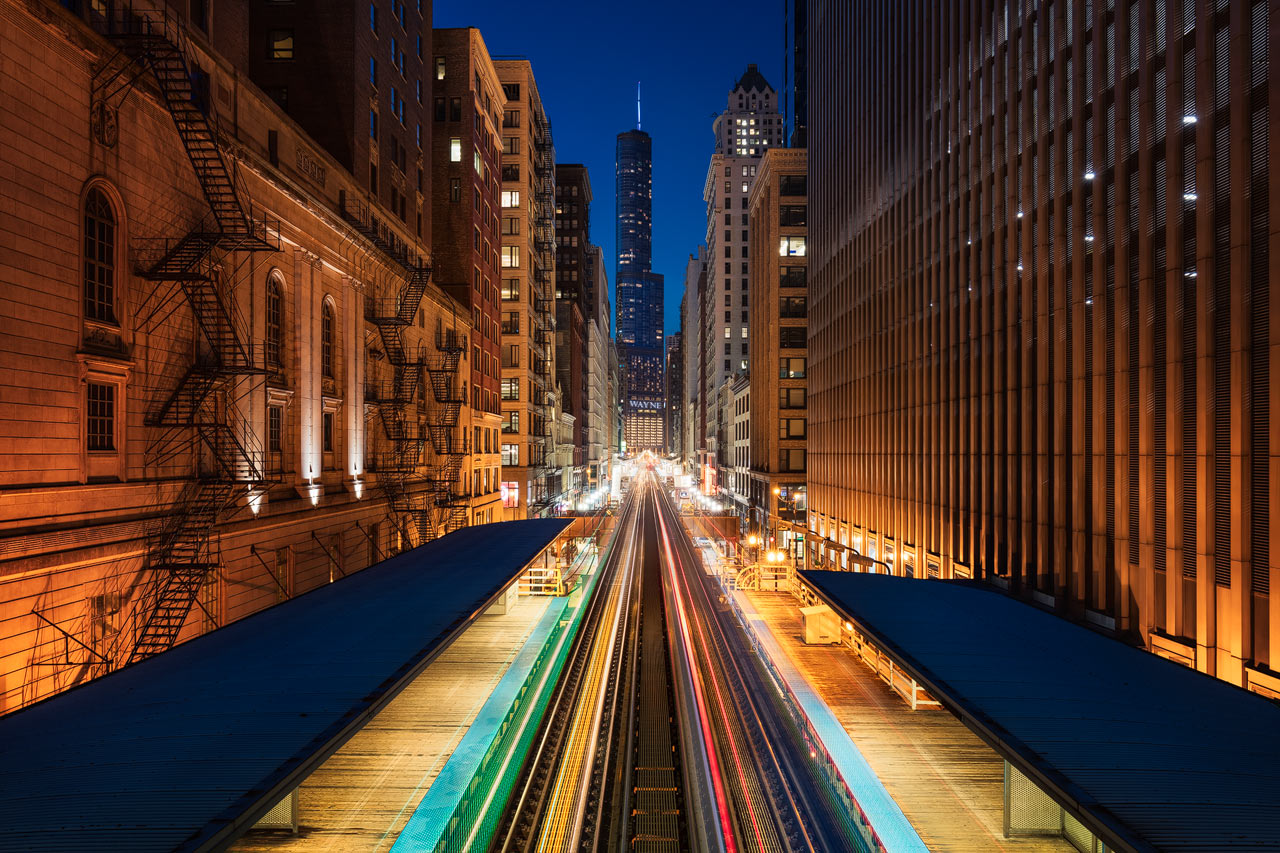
x,y
639,296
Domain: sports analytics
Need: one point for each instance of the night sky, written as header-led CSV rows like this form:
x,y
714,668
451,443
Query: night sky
x,y
587,57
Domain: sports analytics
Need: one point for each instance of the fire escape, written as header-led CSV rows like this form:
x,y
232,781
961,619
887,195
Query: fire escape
x,y
420,506
183,552
544,472
449,505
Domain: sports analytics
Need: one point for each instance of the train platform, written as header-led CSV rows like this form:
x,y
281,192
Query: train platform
x,y
948,783
363,797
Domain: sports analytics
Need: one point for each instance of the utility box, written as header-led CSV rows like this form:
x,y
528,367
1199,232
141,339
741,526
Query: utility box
x,y
503,602
821,625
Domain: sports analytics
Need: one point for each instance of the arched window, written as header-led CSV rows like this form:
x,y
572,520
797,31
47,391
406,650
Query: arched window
x,y
99,258
274,325
326,340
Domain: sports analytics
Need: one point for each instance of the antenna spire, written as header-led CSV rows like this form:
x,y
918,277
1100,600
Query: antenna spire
x,y
637,105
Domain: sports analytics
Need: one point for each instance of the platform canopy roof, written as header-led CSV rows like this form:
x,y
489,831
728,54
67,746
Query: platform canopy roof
x,y
185,750
1147,753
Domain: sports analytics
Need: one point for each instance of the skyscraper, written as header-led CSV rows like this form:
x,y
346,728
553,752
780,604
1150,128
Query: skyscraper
x,y
1042,349
749,126
639,296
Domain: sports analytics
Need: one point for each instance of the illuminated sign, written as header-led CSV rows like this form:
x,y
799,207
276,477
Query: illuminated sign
x,y
653,405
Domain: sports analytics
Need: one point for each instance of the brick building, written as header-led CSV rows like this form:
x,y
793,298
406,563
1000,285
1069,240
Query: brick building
x,y
1043,337
209,400
466,160
529,485
779,350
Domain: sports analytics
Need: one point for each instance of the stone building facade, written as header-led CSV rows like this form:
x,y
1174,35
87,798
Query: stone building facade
x,y
206,397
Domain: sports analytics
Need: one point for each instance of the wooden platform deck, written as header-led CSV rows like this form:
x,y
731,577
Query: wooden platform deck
x,y
948,783
361,798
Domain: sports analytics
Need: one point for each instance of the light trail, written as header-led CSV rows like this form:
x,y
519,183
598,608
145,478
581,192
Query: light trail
x,y
722,803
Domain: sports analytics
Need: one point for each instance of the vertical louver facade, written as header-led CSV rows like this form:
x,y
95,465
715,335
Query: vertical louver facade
x,y
1041,328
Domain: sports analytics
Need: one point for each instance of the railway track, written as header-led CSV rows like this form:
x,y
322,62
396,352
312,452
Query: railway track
x,y
666,734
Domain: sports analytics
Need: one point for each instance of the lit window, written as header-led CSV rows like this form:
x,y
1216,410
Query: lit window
x,y
274,325
280,44
439,67
510,454
791,247
510,257
510,198
455,150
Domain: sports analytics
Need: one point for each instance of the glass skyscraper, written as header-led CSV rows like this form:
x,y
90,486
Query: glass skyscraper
x,y
639,297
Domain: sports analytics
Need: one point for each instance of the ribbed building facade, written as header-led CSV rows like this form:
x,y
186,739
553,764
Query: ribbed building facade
x,y
1042,333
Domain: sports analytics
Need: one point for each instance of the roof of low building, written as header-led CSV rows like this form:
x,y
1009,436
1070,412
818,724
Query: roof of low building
x,y
1149,754
185,750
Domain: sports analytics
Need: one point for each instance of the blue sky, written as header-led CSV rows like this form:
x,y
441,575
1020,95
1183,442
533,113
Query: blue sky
x,y
587,57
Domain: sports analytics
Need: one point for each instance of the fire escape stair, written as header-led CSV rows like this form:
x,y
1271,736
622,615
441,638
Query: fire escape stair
x,y
183,553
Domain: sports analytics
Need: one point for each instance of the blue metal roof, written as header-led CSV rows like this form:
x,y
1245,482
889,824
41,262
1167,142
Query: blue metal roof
x,y
1147,753
187,749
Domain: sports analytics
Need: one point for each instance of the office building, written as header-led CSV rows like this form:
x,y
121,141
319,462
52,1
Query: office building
x,y
639,296
1041,316
529,485
777,491
750,125
466,159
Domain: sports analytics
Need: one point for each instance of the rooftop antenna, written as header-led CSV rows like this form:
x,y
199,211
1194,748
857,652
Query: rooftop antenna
x,y
637,105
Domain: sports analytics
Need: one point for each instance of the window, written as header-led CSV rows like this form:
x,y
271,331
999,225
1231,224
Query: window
x,y
511,118
373,17
510,225
99,258
510,198
511,422
510,322
455,189
326,340
791,428
275,429
791,368
792,215
101,421
793,277
510,145
510,494
511,91
510,389
510,289
510,454
274,324
373,72
791,247
727,332
510,172
455,150
280,44
455,109
791,398
510,257
511,355
793,337
791,459
439,67
792,185
439,109
373,124
326,424
793,306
